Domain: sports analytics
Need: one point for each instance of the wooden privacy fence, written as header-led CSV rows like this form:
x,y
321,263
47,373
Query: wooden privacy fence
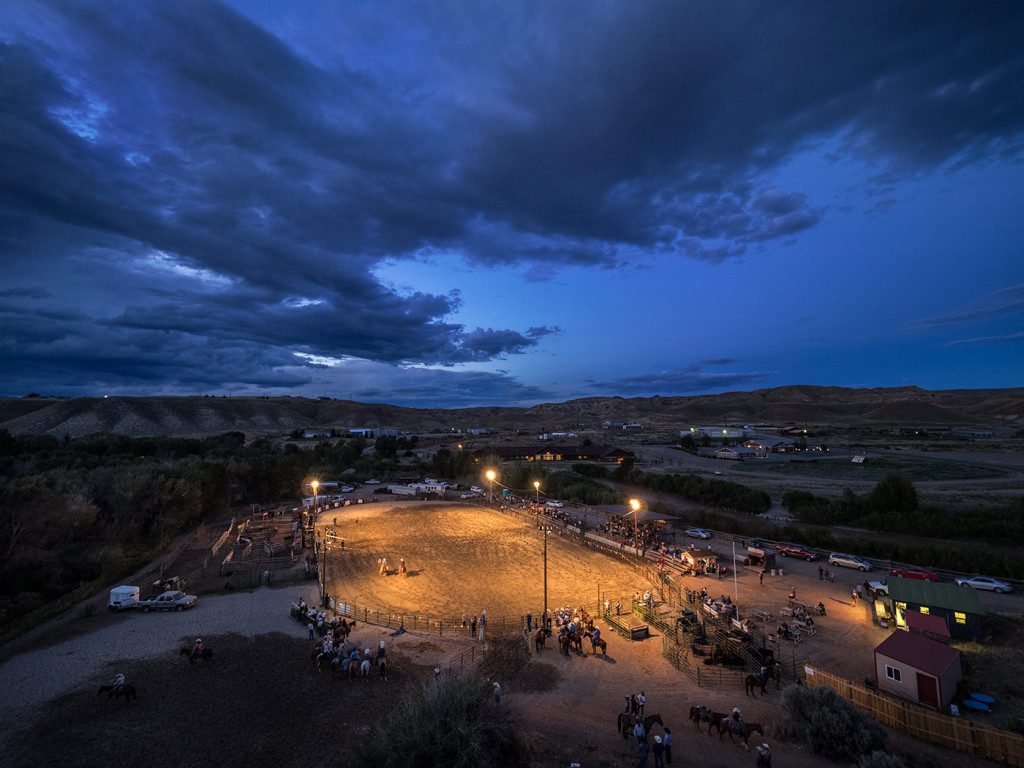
x,y
957,733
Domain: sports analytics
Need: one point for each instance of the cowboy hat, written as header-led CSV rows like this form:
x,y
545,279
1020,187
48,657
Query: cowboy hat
x,y
658,739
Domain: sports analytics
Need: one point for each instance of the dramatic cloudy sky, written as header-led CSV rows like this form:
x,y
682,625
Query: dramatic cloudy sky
x,y
497,202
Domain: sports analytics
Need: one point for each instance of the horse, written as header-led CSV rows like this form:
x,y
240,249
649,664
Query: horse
x,y
382,666
128,691
206,654
714,720
730,726
563,644
540,638
598,643
627,721
576,641
752,682
364,669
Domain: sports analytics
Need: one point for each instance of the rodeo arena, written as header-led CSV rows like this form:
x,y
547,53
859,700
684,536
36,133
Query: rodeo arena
x,y
636,584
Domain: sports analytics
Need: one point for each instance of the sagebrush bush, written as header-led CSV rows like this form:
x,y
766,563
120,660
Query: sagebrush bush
x,y
828,724
451,722
879,759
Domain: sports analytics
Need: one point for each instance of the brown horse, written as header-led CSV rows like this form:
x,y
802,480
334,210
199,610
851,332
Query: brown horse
x,y
128,691
576,641
541,638
382,667
563,644
753,682
730,726
206,654
626,723
598,643
714,720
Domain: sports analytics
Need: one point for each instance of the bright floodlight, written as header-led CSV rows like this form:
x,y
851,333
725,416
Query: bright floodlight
x,y
490,475
634,504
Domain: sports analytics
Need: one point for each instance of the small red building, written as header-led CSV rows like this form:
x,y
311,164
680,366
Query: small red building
x,y
915,667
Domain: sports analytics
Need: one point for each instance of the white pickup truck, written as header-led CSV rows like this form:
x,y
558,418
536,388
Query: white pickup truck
x,y
168,601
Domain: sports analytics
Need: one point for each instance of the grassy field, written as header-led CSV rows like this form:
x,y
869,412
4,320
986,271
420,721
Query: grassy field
x,y
842,469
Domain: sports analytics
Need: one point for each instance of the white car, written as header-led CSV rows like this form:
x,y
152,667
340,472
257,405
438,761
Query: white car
x,y
373,482
849,561
985,582
347,489
697,533
556,504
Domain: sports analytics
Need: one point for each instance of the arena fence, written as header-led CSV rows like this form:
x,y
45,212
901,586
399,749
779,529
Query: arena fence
x,y
957,733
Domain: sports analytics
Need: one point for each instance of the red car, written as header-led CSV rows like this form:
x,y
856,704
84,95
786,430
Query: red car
x,y
914,573
796,550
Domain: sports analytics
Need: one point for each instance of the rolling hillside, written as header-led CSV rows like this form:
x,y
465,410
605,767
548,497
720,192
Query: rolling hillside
x,y
804,406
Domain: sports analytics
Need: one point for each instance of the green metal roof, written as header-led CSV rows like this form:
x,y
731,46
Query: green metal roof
x,y
949,596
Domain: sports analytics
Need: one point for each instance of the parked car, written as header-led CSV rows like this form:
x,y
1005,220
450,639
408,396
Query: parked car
x,y
797,550
168,601
697,533
985,582
849,561
373,482
914,573
347,489
879,587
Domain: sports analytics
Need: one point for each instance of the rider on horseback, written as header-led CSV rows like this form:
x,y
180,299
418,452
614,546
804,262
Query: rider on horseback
x,y
118,684
738,719
197,650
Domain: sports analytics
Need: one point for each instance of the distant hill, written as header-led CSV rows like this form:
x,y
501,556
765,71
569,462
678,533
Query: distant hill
x,y
803,406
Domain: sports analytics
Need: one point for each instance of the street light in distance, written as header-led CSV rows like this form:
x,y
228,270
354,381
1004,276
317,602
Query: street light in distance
x,y
635,504
536,486
490,478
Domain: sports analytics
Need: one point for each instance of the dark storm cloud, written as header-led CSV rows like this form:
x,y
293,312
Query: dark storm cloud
x,y
691,379
211,188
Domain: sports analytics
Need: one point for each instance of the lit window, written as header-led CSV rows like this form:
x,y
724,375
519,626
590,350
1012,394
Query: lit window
x,y
893,674
961,618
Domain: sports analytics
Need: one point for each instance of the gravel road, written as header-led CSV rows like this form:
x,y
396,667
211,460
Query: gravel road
x,y
30,679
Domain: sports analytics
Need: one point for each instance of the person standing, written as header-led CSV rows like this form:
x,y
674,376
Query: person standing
x,y
642,762
821,573
777,669
529,621
764,756
760,577
497,692
472,627
463,621
641,734
659,753
640,701
668,746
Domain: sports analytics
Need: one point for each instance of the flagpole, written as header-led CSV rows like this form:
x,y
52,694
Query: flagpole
x,y
735,583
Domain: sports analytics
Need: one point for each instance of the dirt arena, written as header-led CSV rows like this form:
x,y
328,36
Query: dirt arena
x,y
261,702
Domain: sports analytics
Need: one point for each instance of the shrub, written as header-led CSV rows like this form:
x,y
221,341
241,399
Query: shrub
x,y
451,722
879,759
828,724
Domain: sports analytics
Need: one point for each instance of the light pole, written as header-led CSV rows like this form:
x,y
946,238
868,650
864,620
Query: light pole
x,y
315,484
636,537
544,616
536,486
490,477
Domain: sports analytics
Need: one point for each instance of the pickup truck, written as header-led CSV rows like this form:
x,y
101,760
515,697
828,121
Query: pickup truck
x,y
168,601
879,587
